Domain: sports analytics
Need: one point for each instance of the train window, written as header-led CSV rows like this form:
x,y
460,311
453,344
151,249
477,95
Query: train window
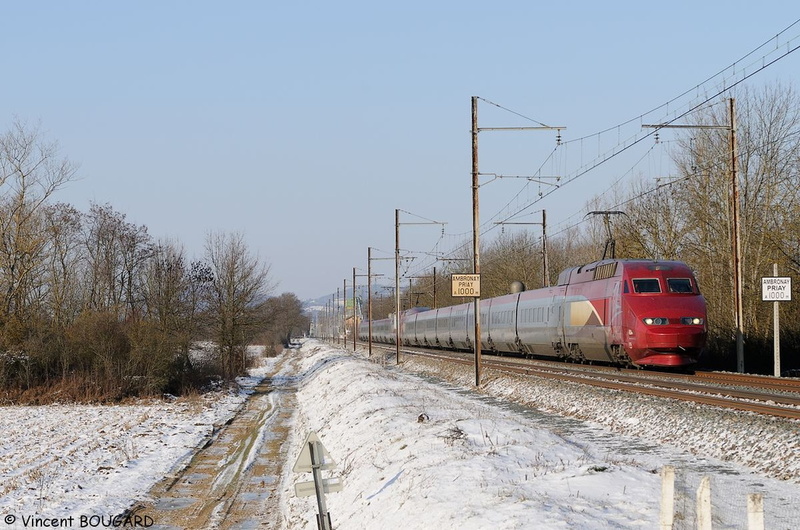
x,y
679,285
649,285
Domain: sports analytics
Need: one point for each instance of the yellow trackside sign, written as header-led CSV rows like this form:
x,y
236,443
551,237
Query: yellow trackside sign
x,y
466,285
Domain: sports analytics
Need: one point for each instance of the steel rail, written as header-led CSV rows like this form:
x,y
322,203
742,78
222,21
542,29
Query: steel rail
x,y
690,393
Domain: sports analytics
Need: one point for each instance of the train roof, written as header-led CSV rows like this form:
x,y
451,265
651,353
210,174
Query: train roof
x,y
413,310
600,270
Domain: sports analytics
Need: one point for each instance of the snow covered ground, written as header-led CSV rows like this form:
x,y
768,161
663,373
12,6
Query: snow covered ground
x,y
563,456
417,449
74,460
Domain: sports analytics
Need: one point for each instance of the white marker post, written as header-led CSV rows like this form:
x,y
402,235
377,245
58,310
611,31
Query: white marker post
x,y
667,512
315,458
703,505
776,290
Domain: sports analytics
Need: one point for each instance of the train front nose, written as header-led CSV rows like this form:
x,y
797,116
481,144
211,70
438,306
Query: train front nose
x,y
670,347
672,338
668,335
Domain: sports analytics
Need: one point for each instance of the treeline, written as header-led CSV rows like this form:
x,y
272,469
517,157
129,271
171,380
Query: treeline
x,y
688,218
92,308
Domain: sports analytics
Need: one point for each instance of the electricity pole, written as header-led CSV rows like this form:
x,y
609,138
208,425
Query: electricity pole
x,y
434,288
397,274
476,263
369,298
545,263
344,313
736,240
336,316
397,285
736,251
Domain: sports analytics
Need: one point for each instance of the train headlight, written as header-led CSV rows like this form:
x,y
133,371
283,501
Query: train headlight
x,y
658,321
691,321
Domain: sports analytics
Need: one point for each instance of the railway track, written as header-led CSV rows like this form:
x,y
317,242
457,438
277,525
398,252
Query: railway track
x,y
779,397
759,381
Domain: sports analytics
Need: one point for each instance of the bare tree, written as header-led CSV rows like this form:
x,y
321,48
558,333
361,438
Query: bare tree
x,y
285,318
166,289
512,257
30,172
65,263
652,227
238,291
62,281
117,252
768,134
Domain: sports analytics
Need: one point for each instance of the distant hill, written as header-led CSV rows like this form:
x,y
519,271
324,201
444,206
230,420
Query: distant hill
x,y
321,302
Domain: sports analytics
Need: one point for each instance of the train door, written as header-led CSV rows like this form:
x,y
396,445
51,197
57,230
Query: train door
x,y
615,314
486,324
444,336
469,322
432,331
515,324
458,328
556,322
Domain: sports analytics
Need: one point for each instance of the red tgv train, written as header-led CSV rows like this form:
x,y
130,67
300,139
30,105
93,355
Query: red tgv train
x,y
625,312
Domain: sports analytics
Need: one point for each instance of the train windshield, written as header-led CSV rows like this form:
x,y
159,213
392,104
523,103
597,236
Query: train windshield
x,y
679,285
648,285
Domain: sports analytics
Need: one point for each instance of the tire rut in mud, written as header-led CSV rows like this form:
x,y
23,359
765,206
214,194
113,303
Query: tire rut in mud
x,y
231,482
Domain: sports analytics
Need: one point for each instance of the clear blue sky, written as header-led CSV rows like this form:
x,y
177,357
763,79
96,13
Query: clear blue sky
x,y
304,125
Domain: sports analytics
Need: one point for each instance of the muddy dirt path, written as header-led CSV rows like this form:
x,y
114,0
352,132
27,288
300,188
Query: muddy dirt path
x,y
232,482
